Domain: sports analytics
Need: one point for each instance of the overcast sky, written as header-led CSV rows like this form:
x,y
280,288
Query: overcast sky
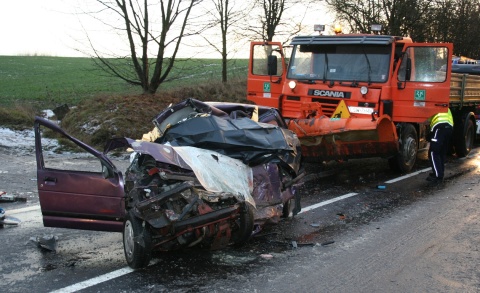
x,y
57,28
37,27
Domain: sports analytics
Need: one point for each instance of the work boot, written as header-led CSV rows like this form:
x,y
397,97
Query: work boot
x,y
435,180
431,177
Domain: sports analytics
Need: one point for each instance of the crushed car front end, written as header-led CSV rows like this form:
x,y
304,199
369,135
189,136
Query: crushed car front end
x,y
208,175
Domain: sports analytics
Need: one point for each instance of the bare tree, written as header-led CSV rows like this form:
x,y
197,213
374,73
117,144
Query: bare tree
x,y
272,12
456,21
224,15
152,30
465,29
269,19
397,17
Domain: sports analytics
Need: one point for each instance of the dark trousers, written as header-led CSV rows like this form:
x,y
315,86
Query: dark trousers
x,y
437,153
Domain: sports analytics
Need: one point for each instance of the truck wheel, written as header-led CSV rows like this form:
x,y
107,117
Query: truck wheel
x,y
464,137
136,242
245,225
408,147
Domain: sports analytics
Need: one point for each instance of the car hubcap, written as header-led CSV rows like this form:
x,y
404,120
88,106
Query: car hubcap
x,y
128,239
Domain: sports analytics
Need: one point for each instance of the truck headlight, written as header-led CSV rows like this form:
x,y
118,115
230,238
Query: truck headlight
x,y
364,90
292,84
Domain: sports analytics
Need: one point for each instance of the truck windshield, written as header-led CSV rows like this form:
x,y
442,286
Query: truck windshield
x,y
356,63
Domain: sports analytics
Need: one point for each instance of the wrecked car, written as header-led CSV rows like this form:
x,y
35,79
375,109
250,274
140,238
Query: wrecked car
x,y
208,174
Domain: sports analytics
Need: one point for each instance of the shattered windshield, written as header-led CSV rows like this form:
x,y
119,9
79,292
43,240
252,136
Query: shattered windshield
x,y
356,63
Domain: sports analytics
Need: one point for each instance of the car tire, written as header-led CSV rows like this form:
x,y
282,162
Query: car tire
x,y
137,243
245,225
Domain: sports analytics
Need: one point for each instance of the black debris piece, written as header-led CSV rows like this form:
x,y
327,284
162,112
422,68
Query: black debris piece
x,y
46,242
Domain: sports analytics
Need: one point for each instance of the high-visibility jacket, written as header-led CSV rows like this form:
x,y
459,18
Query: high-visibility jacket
x,y
441,118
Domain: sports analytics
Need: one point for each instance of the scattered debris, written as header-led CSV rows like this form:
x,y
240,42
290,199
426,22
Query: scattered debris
x,y
49,267
292,243
315,225
341,216
7,220
254,234
47,114
266,256
4,197
47,242
381,187
327,243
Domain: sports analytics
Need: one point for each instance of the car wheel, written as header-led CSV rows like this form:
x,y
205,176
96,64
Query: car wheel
x,y
408,148
136,242
245,225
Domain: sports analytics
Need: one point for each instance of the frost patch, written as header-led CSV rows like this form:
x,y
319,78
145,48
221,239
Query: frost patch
x,y
23,141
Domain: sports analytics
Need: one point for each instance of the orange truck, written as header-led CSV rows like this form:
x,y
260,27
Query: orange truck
x,y
363,95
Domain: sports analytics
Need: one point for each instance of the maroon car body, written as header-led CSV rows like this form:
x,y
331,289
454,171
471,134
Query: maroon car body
x,y
212,176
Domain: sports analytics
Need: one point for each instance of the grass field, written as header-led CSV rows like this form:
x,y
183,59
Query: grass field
x,y
46,82
29,84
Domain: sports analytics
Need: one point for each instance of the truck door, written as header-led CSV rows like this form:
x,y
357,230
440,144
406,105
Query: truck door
x,y
423,82
86,196
266,73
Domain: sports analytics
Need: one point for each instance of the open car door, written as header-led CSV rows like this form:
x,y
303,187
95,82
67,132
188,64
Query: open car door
x,y
78,196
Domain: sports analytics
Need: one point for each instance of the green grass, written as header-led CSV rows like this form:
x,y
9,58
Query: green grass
x,y
29,84
46,82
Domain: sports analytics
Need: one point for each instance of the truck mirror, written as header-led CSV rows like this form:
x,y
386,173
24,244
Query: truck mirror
x,y
408,71
272,65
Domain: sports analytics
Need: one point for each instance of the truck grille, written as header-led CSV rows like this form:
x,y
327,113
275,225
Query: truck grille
x,y
291,105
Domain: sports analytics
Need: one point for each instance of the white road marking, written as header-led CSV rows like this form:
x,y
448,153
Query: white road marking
x,y
324,203
407,176
95,281
23,210
100,279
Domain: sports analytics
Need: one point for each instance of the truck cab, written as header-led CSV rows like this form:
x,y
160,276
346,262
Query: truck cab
x,y
353,96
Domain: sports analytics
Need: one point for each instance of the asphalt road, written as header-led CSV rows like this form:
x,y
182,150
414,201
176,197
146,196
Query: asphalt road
x,y
407,237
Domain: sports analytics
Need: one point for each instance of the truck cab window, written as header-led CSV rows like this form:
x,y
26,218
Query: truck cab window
x,y
342,62
427,64
260,59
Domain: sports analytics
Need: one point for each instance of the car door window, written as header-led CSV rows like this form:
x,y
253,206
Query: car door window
x,y
68,156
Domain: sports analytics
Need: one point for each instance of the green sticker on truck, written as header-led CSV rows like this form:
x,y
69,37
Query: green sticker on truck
x,y
266,87
420,95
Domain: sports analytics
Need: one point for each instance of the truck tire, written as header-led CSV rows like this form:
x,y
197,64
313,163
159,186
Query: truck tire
x,y
136,242
404,161
464,137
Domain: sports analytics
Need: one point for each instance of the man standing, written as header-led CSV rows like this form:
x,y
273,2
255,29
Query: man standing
x,y
441,128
